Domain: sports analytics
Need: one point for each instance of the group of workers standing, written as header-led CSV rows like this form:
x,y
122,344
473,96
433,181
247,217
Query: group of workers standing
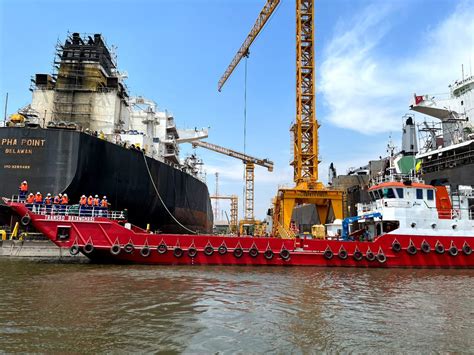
x,y
61,200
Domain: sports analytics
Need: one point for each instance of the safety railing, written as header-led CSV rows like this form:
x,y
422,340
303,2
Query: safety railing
x,y
71,210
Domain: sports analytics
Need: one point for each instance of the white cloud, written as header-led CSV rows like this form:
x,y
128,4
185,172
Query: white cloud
x,y
368,92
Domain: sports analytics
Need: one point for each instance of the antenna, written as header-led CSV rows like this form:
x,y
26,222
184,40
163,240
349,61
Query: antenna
x,y
462,70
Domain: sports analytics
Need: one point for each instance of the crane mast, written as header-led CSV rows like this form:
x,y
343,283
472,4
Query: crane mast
x,y
305,130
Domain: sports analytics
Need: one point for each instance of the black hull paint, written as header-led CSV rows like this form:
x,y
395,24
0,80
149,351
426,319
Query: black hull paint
x,y
77,163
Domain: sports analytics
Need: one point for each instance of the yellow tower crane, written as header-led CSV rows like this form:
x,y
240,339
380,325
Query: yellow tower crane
x,y
250,162
308,189
234,210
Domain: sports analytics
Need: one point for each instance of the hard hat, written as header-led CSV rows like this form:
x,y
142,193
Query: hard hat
x,y
105,196
49,195
90,195
65,195
96,196
24,182
31,194
83,196
38,193
60,194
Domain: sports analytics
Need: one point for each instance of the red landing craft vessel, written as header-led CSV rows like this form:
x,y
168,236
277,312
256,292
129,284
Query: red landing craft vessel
x,y
407,224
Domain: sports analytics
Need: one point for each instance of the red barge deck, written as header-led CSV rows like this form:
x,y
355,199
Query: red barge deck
x,y
114,241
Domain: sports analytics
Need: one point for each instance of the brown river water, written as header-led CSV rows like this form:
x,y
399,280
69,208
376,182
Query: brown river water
x,y
49,306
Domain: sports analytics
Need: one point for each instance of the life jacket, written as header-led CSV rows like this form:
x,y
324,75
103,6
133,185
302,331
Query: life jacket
x,y
47,200
39,198
96,202
83,201
56,200
23,187
64,200
89,201
30,199
104,203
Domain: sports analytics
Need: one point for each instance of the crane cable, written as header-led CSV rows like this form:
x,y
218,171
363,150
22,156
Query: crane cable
x,y
162,202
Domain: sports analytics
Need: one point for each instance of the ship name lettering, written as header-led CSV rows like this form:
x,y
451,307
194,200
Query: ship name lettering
x,y
18,151
9,141
82,219
15,166
36,142
54,218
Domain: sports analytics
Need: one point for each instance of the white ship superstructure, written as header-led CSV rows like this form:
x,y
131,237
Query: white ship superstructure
x,y
448,144
87,92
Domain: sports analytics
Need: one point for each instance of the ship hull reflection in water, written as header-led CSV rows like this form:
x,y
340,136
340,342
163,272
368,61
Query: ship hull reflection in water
x,y
98,308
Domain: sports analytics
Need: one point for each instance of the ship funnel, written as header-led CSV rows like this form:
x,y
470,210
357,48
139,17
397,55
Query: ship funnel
x,y
409,140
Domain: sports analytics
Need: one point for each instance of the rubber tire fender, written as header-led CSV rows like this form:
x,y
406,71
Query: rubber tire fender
x,y
145,251
453,251
222,250
162,248
328,254
88,248
358,256
396,246
253,252
411,249
238,252
192,252
178,252
208,250
115,249
342,254
74,250
425,247
466,249
268,254
381,258
129,248
285,254
25,220
370,256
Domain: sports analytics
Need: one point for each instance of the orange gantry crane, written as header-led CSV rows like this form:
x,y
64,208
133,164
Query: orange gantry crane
x,y
308,189
250,162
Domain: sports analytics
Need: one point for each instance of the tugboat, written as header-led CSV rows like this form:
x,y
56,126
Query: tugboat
x,y
407,224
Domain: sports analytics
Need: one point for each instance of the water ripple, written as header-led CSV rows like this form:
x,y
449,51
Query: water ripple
x,y
57,307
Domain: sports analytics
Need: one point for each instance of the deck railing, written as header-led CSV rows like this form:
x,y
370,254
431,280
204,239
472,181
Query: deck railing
x,y
71,210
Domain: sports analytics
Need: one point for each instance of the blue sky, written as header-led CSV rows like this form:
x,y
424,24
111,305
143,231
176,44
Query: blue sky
x,y
371,57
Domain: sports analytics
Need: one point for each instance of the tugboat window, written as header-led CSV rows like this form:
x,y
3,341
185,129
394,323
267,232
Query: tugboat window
x,y
430,195
388,193
400,192
419,194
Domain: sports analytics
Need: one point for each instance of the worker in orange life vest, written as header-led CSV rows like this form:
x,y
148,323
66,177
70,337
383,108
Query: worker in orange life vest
x,y
90,201
38,198
104,204
83,200
64,200
48,199
30,199
96,201
56,200
23,190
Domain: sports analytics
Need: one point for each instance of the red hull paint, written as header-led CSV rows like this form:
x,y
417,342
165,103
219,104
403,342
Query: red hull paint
x,y
102,234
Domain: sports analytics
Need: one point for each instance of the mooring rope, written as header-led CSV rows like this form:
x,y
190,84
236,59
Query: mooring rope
x,y
163,202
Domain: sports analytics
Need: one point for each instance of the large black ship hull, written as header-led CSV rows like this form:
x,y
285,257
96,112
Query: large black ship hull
x,y
64,161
